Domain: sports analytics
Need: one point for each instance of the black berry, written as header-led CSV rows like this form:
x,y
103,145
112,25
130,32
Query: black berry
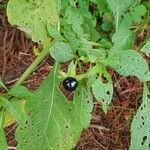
x,y
70,84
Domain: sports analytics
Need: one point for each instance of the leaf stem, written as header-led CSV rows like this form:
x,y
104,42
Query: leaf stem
x,y
98,44
33,66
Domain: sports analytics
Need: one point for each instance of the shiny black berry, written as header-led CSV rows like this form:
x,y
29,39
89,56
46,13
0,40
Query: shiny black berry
x,y
70,84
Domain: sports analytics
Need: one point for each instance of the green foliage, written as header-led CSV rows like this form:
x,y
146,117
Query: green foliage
x,y
119,7
20,92
33,16
53,122
140,129
103,89
75,19
3,142
102,6
137,12
135,15
80,31
123,38
61,52
128,63
83,103
146,49
14,108
2,85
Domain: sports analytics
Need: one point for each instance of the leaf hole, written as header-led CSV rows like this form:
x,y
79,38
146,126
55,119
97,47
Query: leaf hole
x,y
108,92
66,126
104,79
102,100
77,4
144,139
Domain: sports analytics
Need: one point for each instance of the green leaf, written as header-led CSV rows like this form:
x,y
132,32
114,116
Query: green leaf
x,y
20,92
106,43
2,85
83,101
103,89
127,20
140,128
72,69
106,26
3,142
89,21
123,38
146,49
52,123
119,7
98,54
33,16
71,37
135,15
61,52
90,30
14,108
75,19
146,77
137,12
53,32
102,6
128,63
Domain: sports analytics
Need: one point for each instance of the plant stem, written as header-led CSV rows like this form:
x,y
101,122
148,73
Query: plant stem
x,y
98,44
33,66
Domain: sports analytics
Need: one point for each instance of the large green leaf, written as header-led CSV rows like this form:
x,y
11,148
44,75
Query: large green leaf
x,y
3,142
52,122
33,17
140,129
103,89
61,52
119,7
128,63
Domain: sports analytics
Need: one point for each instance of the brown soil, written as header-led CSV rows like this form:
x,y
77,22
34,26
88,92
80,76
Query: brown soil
x,y
106,132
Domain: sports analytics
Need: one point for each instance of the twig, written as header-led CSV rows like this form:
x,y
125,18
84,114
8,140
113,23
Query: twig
x,y
98,127
101,145
11,148
131,90
14,126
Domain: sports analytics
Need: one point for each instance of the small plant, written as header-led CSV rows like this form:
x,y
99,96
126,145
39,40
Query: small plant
x,y
70,32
